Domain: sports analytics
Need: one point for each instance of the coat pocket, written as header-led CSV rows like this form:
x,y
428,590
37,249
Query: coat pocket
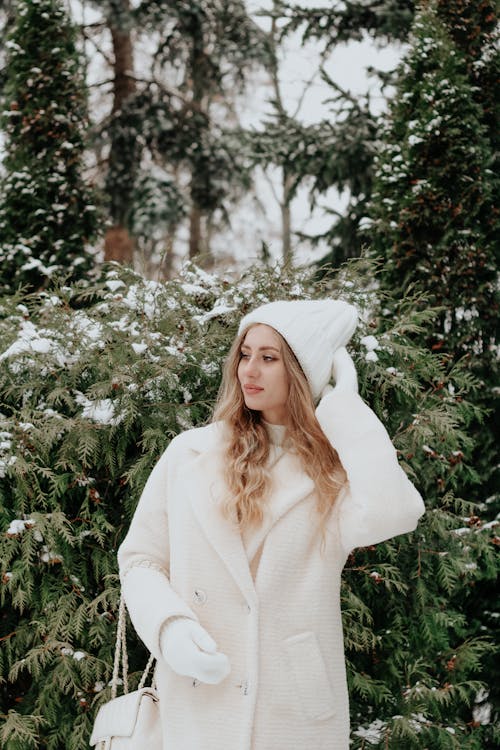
x,y
309,671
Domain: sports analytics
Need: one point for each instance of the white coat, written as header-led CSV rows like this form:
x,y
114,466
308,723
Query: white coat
x,y
282,631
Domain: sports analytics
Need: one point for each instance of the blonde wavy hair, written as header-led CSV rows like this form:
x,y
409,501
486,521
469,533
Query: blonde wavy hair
x,y
248,446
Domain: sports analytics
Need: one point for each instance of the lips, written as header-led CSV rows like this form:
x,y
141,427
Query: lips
x,y
252,389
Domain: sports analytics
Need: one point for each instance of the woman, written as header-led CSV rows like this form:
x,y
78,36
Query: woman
x,y
231,568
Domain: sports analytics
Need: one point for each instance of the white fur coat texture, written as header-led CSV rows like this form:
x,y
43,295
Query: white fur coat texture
x,y
281,629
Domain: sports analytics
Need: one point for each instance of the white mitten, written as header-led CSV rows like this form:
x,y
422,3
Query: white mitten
x,y
344,371
191,651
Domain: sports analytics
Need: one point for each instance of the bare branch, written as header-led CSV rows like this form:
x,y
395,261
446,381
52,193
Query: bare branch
x,y
97,84
346,94
273,189
97,47
97,25
309,83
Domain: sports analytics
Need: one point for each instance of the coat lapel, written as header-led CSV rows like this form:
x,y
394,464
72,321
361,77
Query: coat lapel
x,y
290,485
209,487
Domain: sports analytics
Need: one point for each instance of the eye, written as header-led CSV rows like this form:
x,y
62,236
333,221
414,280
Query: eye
x,y
268,358
244,355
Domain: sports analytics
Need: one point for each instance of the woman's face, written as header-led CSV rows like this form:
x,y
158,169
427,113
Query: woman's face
x,y
262,374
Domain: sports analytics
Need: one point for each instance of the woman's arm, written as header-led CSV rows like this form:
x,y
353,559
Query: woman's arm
x,y
144,562
380,501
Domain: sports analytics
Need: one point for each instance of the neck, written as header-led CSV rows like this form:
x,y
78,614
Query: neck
x,y
276,417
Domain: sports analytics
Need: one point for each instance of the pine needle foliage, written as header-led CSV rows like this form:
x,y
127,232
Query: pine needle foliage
x,y
47,217
436,222
434,196
94,384
337,152
171,154
349,21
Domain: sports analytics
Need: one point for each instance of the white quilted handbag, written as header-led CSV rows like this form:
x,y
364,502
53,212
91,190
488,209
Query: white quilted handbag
x,y
131,721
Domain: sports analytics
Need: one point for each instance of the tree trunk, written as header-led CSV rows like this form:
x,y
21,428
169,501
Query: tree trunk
x,y
200,99
168,265
119,244
194,232
124,83
286,222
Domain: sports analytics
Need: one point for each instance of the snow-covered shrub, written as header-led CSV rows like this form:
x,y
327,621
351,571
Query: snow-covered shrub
x,y
95,382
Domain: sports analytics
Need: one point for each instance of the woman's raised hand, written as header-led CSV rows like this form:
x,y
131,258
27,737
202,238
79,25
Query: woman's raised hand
x,y
344,371
191,651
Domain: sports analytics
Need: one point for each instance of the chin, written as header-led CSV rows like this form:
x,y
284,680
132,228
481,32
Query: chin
x,y
250,403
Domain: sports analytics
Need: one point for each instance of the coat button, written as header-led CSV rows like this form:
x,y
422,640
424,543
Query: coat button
x,y
247,608
199,596
243,686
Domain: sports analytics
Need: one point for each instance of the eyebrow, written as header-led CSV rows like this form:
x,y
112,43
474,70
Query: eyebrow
x,y
261,348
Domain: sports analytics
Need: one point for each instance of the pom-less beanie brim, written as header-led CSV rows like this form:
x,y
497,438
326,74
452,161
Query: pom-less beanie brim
x,y
313,329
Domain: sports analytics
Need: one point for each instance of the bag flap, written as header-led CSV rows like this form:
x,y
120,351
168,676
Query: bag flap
x,y
118,717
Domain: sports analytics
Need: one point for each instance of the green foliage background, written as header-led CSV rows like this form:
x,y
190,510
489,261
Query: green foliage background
x,y
435,204
96,381
47,211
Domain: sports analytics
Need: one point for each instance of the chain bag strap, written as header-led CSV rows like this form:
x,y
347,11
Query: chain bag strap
x,y
121,656
132,720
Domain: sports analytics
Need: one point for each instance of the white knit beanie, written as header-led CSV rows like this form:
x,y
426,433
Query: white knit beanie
x,y
313,329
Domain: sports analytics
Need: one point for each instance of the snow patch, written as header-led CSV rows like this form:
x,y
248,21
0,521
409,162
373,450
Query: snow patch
x,y
373,733
19,525
219,309
101,411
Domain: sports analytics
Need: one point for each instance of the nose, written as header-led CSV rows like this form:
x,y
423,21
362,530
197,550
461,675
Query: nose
x,y
251,366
